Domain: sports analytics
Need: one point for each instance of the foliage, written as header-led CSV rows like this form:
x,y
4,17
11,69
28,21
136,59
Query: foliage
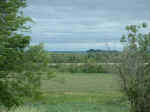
x,y
96,57
134,69
21,66
81,67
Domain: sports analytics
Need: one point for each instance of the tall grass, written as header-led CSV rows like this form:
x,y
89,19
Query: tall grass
x,y
71,108
27,109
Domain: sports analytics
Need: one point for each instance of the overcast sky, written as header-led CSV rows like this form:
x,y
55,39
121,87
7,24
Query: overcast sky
x,y
84,24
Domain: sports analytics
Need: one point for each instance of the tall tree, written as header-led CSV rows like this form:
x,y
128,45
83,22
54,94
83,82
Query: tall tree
x,y
21,66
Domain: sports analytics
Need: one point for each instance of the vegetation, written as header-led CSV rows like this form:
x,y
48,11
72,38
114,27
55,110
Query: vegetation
x,y
135,68
21,66
94,56
26,109
78,86
81,67
80,92
71,108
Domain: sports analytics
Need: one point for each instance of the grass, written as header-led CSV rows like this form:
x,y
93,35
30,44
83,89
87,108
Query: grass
x,y
82,83
71,108
81,93
27,109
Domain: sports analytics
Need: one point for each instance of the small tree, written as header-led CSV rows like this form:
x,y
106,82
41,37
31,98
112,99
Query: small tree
x,y
134,69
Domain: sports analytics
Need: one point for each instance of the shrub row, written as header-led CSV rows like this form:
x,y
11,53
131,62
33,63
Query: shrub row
x,y
81,68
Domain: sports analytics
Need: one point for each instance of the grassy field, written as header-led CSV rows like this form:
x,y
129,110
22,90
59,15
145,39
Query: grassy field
x,y
81,93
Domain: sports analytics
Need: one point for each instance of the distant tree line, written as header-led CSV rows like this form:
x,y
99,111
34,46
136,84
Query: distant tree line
x,y
93,56
101,51
81,68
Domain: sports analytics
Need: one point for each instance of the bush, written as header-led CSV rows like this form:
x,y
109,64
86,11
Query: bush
x,y
134,69
91,68
81,68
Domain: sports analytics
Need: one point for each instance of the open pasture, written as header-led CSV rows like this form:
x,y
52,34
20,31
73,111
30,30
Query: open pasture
x,y
82,93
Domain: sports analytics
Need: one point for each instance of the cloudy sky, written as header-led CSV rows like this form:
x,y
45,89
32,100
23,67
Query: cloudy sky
x,y
84,24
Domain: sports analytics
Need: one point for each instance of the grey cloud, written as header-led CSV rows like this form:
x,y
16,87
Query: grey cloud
x,y
84,21
82,46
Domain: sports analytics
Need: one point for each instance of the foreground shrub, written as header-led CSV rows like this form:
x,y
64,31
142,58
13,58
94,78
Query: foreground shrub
x,y
134,69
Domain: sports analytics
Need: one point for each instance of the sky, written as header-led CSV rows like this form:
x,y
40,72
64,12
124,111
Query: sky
x,y
79,25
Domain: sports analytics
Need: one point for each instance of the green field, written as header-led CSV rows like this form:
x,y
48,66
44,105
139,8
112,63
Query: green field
x,y
82,93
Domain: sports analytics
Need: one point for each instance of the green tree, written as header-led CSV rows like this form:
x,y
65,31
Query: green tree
x,y
21,66
134,69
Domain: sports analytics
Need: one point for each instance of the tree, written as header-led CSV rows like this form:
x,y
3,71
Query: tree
x,y
134,70
21,66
